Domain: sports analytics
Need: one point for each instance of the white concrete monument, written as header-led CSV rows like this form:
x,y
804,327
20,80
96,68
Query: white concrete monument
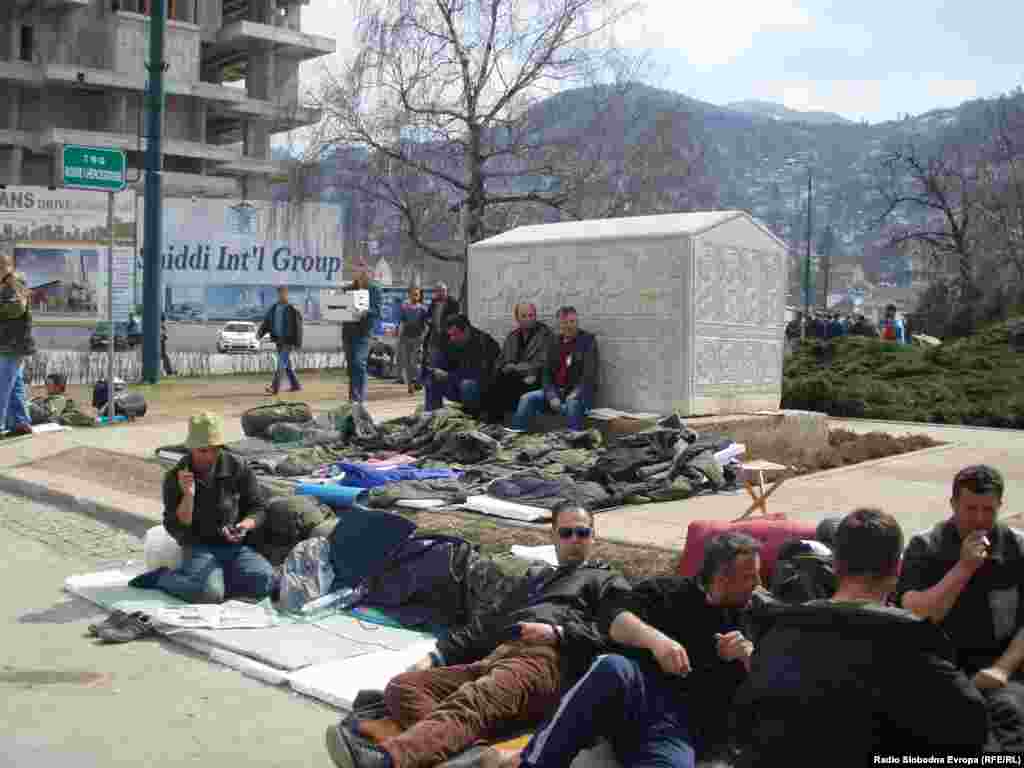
x,y
688,308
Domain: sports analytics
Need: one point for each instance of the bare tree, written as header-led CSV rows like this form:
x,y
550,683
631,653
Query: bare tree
x,y
445,96
944,187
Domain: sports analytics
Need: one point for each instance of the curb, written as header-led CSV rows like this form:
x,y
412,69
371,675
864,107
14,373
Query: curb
x,y
136,525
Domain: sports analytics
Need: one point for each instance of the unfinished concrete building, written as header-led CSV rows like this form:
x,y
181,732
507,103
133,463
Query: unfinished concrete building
x,y
74,72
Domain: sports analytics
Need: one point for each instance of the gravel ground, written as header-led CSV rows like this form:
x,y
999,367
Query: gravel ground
x,y
68,533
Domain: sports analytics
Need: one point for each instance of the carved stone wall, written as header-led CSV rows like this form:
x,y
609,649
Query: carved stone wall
x,y
739,323
683,324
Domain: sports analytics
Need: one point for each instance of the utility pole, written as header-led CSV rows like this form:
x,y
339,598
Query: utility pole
x,y
807,260
153,217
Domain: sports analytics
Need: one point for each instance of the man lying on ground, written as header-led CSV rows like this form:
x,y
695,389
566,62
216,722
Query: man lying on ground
x,y
664,701
851,678
521,366
965,574
570,377
464,369
503,671
212,501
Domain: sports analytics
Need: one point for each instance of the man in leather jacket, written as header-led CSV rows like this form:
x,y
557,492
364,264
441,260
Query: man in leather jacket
x,y
507,668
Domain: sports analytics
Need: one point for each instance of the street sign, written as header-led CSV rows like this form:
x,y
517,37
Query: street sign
x,y
94,168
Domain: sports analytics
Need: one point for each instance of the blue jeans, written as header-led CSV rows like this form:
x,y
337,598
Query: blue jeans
x,y
10,370
17,408
532,404
357,351
284,366
455,387
641,712
211,573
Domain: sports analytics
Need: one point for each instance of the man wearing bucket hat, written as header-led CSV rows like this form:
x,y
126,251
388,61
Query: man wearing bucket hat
x,y
211,503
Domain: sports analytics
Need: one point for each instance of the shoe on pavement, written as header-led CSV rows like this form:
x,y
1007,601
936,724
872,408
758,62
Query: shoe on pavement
x,y
22,429
296,389
112,620
349,751
134,627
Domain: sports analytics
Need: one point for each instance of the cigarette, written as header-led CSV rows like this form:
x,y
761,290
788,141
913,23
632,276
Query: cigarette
x,y
986,542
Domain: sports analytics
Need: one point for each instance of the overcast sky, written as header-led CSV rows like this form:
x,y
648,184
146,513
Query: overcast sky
x,y
864,59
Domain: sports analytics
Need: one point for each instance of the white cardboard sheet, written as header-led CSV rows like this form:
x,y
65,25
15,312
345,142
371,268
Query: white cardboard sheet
x,y
337,682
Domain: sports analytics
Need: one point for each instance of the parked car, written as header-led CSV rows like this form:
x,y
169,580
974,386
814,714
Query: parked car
x,y
125,337
238,337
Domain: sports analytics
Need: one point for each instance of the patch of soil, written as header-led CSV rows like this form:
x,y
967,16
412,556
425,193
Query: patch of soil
x,y
635,562
174,399
847,447
127,474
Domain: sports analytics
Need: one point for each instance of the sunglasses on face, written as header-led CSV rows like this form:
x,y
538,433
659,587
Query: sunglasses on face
x,y
581,531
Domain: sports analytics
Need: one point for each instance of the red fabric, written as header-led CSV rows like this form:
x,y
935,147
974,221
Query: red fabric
x,y
564,353
771,532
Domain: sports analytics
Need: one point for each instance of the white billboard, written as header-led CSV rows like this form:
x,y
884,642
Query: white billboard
x,y
216,242
224,260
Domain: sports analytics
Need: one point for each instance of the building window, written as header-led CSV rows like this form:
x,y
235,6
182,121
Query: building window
x,y
28,43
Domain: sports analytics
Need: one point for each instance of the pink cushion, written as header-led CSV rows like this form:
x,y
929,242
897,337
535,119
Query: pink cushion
x,y
772,532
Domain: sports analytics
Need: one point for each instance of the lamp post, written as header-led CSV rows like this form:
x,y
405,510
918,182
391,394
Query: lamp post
x,y
807,260
153,219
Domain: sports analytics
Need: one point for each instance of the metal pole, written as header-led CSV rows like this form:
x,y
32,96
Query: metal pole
x,y
807,260
110,305
153,218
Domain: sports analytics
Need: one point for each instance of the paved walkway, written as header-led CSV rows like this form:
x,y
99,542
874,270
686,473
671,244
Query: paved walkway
x,y
914,487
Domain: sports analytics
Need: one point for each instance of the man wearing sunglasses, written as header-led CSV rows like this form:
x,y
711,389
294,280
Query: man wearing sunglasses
x,y
965,574
663,699
508,668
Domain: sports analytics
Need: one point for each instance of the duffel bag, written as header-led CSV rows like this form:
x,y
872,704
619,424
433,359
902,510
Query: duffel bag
x,y
256,421
130,404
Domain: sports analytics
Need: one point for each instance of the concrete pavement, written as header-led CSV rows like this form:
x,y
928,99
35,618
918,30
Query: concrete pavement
x,y
66,699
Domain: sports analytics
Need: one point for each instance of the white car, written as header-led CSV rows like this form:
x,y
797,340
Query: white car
x,y
238,337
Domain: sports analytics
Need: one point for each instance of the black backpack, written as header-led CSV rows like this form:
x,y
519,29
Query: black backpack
x,y
804,571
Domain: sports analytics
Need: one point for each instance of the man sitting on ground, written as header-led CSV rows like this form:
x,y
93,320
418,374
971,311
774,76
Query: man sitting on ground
x,y
853,655
665,700
211,502
965,575
521,368
570,376
464,369
504,670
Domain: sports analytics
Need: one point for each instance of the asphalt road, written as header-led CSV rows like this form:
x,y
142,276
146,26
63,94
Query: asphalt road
x,y
186,337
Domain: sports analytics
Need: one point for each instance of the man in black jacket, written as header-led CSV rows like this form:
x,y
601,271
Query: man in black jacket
x,y
966,574
463,372
212,501
887,671
662,701
504,669
521,367
442,309
284,324
569,379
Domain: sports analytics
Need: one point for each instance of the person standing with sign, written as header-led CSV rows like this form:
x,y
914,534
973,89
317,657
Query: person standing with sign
x,y
355,335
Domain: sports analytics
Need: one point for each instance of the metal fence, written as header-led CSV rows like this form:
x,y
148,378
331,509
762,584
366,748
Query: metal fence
x,y
88,367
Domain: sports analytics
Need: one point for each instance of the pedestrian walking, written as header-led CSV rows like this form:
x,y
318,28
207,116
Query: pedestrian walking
x,y
168,366
411,329
283,323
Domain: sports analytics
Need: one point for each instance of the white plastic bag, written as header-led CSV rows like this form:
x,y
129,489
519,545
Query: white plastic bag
x,y
160,550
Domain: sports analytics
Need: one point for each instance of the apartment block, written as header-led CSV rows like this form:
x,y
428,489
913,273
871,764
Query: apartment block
x,y
75,71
